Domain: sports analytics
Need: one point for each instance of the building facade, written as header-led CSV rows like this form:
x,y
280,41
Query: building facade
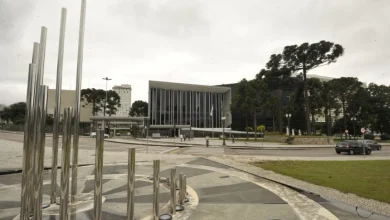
x,y
187,104
68,100
124,91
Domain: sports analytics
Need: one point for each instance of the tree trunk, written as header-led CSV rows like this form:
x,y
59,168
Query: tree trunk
x,y
306,101
273,122
255,123
313,122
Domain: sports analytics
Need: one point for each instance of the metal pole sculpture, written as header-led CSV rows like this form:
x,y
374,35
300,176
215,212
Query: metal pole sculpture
x,y
173,191
25,199
41,133
77,104
156,188
181,190
130,184
65,163
98,174
57,109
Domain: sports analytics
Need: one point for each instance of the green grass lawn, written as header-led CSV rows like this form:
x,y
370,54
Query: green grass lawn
x,y
369,179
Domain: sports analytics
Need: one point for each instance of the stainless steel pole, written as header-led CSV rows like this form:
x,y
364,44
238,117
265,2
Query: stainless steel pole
x,y
77,100
181,190
57,109
98,174
173,191
65,163
130,184
40,60
24,208
30,183
184,187
40,151
156,188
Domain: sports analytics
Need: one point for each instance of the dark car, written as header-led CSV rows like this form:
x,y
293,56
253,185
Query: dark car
x,y
352,147
373,144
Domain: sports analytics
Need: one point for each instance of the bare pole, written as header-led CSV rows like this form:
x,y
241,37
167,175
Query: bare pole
x,y
77,104
173,191
24,209
41,151
32,146
40,59
65,162
97,208
181,190
156,188
57,109
130,184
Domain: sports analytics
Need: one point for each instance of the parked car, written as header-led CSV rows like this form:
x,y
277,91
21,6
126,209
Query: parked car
x,y
93,135
373,144
352,147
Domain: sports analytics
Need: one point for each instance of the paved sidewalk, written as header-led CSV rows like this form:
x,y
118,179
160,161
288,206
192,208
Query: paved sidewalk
x,y
216,143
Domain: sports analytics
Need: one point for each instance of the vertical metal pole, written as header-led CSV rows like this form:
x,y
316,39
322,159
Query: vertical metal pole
x,y
181,190
77,104
24,209
130,184
156,188
173,191
40,152
30,182
65,163
40,60
97,208
57,109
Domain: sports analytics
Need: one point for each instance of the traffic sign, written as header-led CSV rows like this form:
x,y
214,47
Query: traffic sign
x,y
363,130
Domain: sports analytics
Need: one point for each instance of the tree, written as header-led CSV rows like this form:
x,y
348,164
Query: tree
x,y
305,58
248,129
330,103
15,113
315,88
345,89
113,102
94,97
139,108
260,128
238,101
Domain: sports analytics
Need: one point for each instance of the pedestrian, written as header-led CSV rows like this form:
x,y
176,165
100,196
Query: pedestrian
x,y
207,141
181,137
233,141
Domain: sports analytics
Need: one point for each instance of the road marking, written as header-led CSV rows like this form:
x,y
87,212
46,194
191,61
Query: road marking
x,y
167,151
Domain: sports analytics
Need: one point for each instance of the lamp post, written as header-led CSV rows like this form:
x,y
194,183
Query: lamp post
x,y
223,131
354,126
105,101
288,116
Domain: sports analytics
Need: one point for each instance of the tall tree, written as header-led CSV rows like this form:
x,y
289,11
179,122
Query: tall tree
x,y
345,89
14,113
331,104
305,58
94,97
315,88
238,102
113,102
139,108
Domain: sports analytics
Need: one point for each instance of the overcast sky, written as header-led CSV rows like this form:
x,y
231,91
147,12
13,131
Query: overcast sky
x,y
195,41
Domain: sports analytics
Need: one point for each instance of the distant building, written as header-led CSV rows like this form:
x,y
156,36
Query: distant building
x,y
124,91
68,100
198,106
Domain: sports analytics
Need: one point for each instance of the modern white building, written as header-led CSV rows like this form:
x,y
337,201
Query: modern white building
x,y
124,91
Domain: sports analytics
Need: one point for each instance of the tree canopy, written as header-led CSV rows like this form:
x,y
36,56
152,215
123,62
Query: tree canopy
x,y
139,108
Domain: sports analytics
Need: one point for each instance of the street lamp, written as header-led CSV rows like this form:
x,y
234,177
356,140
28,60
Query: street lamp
x,y
354,126
288,116
223,131
105,101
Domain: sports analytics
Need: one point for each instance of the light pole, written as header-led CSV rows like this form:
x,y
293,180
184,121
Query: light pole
x,y
223,131
105,101
354,126
288,116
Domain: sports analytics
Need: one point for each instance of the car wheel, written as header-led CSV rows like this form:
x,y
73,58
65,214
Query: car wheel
x,y
379,147
351,152
338,152
93,136
368,152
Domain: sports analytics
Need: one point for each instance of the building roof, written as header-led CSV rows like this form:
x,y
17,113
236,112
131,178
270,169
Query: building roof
x,y
187,87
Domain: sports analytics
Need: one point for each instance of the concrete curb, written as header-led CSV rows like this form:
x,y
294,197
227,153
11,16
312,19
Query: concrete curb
x,y
145,144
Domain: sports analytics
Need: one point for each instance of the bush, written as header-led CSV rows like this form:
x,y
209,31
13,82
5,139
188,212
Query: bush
x,y
369,136
290,140
385,137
